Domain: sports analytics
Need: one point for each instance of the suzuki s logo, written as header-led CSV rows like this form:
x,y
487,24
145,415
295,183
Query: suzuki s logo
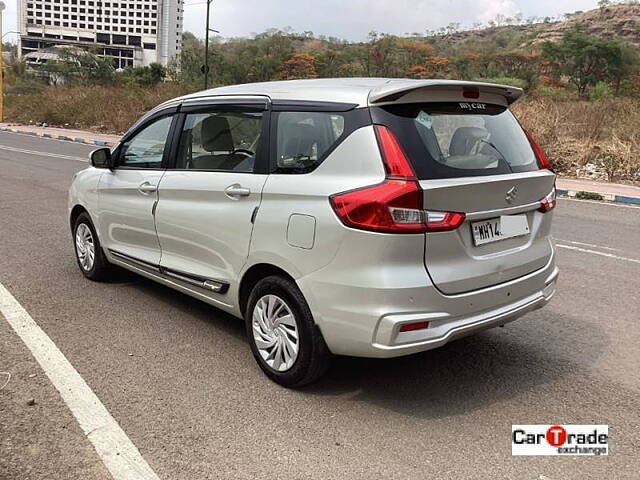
x,y
512,193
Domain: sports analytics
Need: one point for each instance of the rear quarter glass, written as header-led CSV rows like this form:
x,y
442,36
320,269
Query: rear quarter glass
x,y
458,139
302,139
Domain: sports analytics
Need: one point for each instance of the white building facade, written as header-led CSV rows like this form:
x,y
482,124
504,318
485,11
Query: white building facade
x,y
131,32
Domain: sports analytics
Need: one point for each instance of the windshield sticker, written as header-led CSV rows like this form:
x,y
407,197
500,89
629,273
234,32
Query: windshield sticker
x,y
473,106
424,119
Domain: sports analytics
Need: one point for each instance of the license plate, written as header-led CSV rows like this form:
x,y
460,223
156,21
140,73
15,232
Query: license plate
x,y
501,228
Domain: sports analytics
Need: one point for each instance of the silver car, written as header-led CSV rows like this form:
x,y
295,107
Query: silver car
x,y
365,217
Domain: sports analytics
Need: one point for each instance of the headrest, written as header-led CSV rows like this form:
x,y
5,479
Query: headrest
x,y
466,139
216,134
300,140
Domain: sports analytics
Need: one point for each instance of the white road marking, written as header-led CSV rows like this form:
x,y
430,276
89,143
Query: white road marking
x,y
611,204
117,452
43,154
594,252
588,245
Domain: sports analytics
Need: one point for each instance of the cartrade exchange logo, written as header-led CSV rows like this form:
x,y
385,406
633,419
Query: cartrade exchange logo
x,y
560,439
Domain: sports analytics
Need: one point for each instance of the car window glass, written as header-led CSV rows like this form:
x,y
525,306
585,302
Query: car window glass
x,y
450,140
304,137
226,141
146,148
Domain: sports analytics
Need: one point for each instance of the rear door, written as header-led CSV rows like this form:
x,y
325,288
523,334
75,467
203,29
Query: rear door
x,y
474,158
208,198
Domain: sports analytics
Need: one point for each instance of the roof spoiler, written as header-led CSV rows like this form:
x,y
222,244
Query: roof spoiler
x,y
395,90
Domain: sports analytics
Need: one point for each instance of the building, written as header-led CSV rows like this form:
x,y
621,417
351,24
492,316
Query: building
x,y
132,32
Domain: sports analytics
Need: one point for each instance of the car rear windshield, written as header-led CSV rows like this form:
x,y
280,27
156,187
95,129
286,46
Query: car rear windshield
x,y
449,140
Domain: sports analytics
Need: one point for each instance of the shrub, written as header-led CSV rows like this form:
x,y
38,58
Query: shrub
x,y
143,76
615,158
600,91
555,93
106,109
581,195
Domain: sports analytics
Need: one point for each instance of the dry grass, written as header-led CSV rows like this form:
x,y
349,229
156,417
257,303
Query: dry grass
x,y
602,136
97,108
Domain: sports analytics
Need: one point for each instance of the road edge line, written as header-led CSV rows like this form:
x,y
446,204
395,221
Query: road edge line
x,y
595,252
121,457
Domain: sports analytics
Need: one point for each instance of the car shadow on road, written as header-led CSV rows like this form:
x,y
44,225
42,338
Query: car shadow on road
x,y
462,376
196,309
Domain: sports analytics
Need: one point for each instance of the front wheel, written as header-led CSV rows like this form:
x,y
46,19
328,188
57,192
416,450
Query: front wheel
x,y
91,260
284,338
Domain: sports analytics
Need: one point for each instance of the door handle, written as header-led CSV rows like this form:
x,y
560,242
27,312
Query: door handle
x,y
237,190
146,188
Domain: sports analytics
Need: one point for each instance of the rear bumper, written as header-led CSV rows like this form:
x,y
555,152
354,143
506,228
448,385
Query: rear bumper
x,y
390,342
364,318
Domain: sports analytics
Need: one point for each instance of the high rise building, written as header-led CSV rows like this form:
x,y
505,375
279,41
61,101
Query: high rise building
x,y
132,32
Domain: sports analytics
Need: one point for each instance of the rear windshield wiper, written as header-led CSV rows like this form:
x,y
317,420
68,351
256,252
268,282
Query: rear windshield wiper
x,y
502,157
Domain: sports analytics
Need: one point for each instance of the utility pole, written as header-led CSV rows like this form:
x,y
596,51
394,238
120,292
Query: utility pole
x,y
206,48
1,67
205,67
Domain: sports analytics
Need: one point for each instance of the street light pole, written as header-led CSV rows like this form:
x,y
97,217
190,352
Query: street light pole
x,y
206,48
205,67
1,68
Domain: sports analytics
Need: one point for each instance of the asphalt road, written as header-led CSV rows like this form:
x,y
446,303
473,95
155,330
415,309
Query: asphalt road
x,y
178,376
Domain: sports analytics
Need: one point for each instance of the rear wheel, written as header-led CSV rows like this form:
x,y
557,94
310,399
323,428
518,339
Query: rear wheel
x,y
91,260
284,338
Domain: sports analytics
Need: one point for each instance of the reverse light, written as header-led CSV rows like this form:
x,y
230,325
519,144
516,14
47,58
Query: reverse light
x,y
394,206
443,221
543,160
549,202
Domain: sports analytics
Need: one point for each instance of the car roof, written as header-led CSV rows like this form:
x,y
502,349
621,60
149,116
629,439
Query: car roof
x,y
358,91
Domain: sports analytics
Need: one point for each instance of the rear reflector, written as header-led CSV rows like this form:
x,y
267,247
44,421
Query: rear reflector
x,y
543,160
410,327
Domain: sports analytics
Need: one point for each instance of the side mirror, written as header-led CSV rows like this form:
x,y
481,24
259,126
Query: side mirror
x,y
101,158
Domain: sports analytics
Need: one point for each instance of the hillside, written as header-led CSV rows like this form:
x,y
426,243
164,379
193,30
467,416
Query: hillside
x,y
616,21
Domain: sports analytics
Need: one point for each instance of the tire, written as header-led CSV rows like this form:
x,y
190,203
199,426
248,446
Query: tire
x,y
312,358
84,236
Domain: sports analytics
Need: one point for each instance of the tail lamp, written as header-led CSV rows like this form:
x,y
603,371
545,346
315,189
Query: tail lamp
x,y
397,204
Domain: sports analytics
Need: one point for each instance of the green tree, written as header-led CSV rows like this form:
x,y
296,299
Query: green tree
x,y
586,60
623,61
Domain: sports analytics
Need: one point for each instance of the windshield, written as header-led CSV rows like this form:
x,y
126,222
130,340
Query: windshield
x,y
447,140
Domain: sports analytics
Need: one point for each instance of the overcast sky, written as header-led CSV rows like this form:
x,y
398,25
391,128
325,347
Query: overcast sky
x,y
348,19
